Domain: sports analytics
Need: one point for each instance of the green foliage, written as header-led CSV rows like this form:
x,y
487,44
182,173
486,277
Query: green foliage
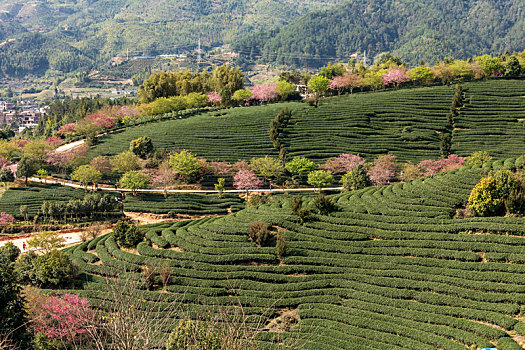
x,y
324,204
285,89
46,241
478,158
12,310
134,180
54,269
300,166
356,180
6,175
125,161
281,248
260,234
489,64
241,95
86,174
186,164
491,194
513,67
9,252
142,147
267,167
421,74
219,186
26,168
401,28
193,335
296,204
320,178
126,234
318,84
332,70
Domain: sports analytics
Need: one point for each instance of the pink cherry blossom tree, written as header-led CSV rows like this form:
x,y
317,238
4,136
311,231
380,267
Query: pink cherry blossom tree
x,y
338,84
101,164
220,168
68,129
246,180
55,141
264,92
395,76
164,177
65,318
344,163
383,170
214,97
101,121
6,219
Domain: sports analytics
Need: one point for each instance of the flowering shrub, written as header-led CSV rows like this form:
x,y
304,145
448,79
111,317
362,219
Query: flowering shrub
x,y
431,167
67,129
63,317
6,218
264,92
383,170
344,163
101,121
395,77
246,180
220,168
55,141
214,97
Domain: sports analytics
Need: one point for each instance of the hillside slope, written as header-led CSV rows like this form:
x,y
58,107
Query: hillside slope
x,y
414,30
106,28
391,269
406,123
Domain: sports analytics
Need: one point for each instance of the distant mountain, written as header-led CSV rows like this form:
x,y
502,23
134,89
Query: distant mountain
x,y
413,29
92,31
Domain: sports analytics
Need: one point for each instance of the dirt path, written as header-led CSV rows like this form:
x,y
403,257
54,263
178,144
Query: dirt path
x,y
69,146
71,237
112,189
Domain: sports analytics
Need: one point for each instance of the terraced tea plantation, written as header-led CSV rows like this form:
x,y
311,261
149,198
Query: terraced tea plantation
x,y
493,119
392,269
184,204
406,123
33,197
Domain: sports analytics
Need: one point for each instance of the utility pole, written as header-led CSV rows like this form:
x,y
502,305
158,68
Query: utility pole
x,y
199,55
364,59
127,54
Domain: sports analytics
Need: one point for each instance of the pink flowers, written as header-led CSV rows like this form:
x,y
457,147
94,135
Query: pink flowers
x,y
246,180
264,92
101,121
344,163
220,168
214,97
67,129
6,219
54,141
383,170
395,77
431,167
63,317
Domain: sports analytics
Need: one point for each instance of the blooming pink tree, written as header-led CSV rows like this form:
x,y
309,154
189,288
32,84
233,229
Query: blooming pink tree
x,y
338,84
6,219
344,163
164,177
214,97
220,168
383,170
68,129
55,141
101,164
64,318
264,92
3,162
395,76
241,165
431,167
246,180
101,121
63,160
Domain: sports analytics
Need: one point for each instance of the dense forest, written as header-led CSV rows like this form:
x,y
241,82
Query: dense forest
x,y
414,30
41,36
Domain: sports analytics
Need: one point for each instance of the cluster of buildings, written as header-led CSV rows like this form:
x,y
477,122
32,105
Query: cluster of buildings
x,y
24,114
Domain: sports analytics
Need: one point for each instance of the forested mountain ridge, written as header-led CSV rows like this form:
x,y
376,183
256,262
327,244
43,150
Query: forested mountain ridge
x,y
90,32
415,30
